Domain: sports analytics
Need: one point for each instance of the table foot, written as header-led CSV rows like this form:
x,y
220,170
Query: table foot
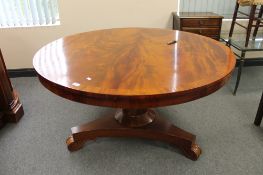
x,y
73,145
151,127
194,152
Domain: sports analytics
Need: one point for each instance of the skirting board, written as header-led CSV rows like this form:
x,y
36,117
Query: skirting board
x,y
27,72
30,72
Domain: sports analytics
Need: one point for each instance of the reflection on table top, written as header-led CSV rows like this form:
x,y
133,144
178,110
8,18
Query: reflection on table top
x,y
134,62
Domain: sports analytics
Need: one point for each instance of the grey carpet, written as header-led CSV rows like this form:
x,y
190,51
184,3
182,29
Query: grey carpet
x,y
223,124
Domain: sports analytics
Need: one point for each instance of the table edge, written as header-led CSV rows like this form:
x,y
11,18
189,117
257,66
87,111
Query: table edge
x,y
134,102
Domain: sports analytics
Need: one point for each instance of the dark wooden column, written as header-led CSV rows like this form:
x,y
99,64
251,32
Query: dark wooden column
x,y
259,115
11,110
1,120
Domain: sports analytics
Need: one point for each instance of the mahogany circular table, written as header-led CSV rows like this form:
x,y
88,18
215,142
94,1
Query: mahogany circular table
x,y
134,69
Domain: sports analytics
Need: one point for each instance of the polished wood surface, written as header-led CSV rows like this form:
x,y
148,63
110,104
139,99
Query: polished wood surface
x,y
11,110
202,23
134,67
135,118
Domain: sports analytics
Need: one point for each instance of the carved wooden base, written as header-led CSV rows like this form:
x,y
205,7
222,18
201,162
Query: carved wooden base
x,y
15,112
74,145
141,123
135,118
10,107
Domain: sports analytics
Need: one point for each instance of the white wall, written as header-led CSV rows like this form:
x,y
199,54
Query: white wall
x,y
19,44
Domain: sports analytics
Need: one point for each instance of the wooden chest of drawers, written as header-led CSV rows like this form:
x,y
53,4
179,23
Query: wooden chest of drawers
x,y
203,23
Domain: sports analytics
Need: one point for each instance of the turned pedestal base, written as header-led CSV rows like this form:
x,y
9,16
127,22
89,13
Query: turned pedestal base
x,y
143,123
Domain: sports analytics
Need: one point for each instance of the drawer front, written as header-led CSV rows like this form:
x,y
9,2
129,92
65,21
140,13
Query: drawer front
x,y
200,22
203,31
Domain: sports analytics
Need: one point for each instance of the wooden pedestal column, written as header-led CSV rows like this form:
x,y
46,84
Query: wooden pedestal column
x,y
11,110
1,120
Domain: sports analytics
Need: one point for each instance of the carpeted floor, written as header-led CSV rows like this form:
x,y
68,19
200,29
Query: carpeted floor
x,y
223,124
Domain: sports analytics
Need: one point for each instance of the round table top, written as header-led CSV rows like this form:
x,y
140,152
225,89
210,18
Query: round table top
x,y
134,67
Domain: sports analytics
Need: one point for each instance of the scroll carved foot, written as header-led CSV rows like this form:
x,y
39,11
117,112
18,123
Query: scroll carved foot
x,y
194,152
73,145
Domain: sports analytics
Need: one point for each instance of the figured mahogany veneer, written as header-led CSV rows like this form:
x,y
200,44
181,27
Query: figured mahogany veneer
x,y
134,69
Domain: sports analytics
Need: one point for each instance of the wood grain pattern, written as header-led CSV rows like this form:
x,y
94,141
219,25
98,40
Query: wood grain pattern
x,y
134,67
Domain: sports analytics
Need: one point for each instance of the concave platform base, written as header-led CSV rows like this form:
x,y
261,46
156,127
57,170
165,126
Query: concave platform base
x,y
142,123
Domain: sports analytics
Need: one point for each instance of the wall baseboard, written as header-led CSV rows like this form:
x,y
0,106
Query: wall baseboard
x,y
27,72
